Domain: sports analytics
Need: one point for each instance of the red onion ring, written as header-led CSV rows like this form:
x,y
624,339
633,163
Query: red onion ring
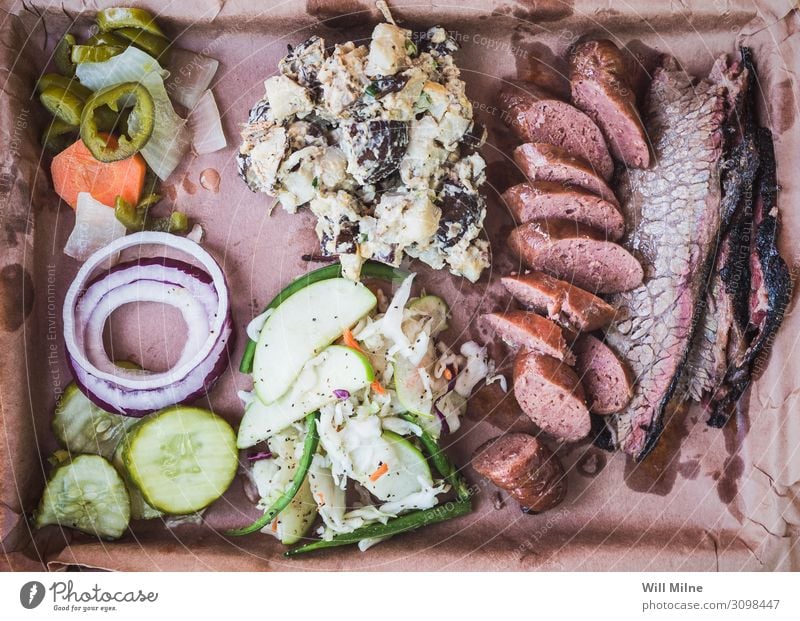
x,y
200,294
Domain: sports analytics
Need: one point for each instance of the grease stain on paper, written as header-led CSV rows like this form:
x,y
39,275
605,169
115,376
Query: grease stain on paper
x,y
657,473
16,297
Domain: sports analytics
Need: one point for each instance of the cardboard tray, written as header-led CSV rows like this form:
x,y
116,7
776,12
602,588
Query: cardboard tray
x,y
706,500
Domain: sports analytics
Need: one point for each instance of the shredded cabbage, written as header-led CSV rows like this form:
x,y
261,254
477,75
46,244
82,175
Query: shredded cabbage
x,y
400,426
476,368
423,499
366,544
272,476
174,521
391,324
500,379
330,498
170,139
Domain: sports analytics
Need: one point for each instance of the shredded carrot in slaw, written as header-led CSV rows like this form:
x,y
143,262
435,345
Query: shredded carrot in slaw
x,y
382,469
448,374
377,387
350,340
275,525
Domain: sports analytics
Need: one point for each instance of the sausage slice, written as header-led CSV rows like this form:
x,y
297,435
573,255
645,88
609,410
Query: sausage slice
x,y
605,378
524,466
547,162
542,200
577,254
536,115
551,394
529,331
564,303
601,89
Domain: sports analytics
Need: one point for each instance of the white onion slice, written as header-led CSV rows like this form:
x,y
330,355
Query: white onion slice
x,y
95,226
189,76
206,126
200,294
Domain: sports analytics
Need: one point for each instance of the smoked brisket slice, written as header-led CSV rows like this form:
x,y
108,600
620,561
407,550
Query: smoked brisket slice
x,y
675,212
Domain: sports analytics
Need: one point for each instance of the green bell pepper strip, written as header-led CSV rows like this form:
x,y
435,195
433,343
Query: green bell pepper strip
x,y
149,200
177,223
115,18
58,135
113,96
107,38
370,269
152,44
62,56
69,84
128,215
395,526
441,461
94,53
309,449
134,218
62,104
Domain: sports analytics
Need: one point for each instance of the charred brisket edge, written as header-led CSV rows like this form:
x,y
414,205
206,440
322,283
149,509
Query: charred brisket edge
x,y
777,282
737,175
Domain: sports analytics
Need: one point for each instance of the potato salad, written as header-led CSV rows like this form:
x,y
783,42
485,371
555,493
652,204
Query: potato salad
x,y
379,143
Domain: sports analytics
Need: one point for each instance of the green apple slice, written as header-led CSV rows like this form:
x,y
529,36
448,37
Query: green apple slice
x,y
300,327
296,519
336,368
406,469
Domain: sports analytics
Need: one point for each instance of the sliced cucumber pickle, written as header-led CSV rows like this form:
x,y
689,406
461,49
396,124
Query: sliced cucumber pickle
x,y
82,427
88,494
140,510
182,459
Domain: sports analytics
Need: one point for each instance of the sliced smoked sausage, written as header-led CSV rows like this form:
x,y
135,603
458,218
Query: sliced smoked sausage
x,y
607,380
542,200
526,468
547,162
577,254
600,88
536,115
529,331
566,304
550,393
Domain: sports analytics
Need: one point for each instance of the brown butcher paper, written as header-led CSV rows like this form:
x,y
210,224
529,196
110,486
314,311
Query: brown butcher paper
x,y
706,499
